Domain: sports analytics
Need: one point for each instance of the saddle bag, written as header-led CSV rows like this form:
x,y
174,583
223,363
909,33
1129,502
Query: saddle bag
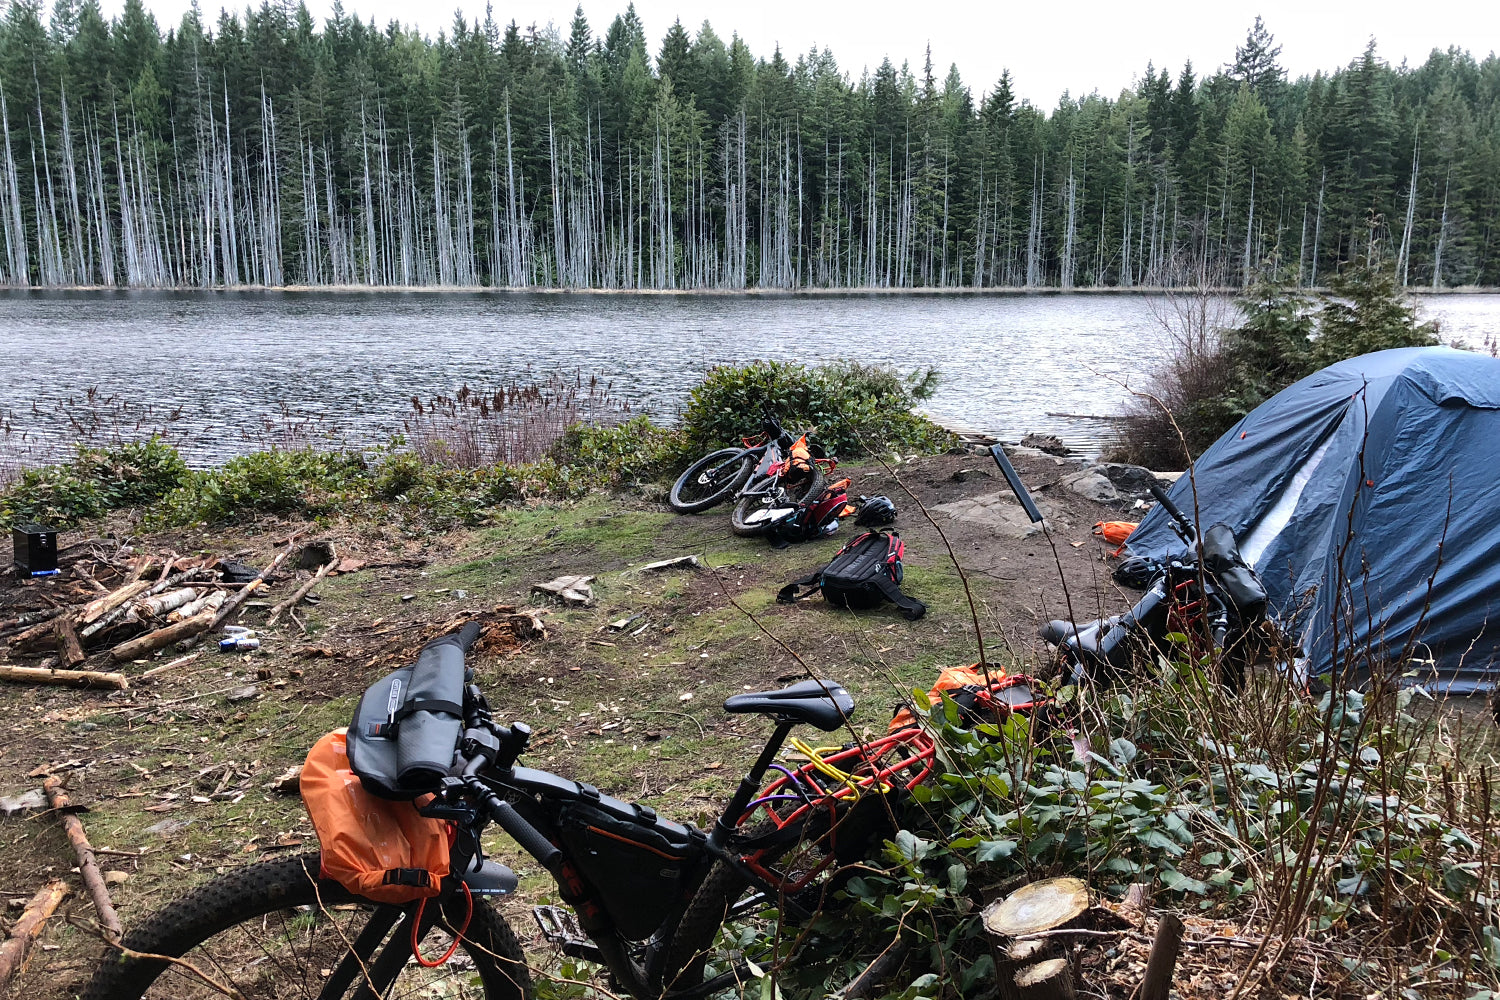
x,y
374,847
408,724
636,861
862,574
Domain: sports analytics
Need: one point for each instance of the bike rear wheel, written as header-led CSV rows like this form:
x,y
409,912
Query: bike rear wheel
x,y
701,487
276,930
749,517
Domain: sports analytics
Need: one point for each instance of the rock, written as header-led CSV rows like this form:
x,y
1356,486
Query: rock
x,y
116,877
168,827
573,590
969,475
1049,443
246,693
25,802
1132,480
1091,484
1000,512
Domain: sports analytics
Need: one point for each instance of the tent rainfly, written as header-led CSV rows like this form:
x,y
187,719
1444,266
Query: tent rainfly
x,y
1367,497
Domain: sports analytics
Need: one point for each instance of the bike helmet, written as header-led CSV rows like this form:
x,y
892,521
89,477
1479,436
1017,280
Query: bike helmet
x,y
1136,572
875,512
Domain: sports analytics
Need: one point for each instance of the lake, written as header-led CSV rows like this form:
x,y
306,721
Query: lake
x,y
1010,364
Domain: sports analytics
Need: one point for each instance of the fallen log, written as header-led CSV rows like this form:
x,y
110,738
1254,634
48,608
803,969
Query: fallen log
x,y
180,661
88,870
34,638
65,678
210,601
233,604
101,606
69,650
302,591
31,618
188,628
158,605
27,929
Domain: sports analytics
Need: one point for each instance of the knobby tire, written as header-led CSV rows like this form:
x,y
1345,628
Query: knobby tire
x,y
253,895
748,504
728,487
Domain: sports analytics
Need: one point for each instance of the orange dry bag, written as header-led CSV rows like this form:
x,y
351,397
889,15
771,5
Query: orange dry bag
x,y
1115,533
979,698
375,848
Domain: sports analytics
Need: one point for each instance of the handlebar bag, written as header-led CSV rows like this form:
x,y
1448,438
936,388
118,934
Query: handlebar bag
x,y
408,724
636,861
374,847
1222,560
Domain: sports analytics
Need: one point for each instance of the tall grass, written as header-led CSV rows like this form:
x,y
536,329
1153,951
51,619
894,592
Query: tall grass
x,y
516,423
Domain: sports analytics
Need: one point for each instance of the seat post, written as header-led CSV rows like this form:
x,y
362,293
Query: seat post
x,y
749,785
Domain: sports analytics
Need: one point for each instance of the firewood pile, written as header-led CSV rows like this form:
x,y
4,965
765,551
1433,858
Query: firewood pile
x,y
114,605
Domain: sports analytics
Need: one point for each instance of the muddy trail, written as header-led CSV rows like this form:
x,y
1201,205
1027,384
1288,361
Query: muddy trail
x,y
179,771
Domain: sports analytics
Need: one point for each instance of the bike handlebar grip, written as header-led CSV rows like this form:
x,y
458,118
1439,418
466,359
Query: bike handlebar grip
x,y
1166,501
523,833
467,636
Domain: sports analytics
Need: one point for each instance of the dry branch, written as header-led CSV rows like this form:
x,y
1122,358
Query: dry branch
x,y
180,661
65,678
1162,962
87,868
27,929
150,642
302,591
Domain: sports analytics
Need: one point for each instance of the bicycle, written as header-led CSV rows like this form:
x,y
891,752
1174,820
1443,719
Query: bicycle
x,y
767,462
1219,600
643,891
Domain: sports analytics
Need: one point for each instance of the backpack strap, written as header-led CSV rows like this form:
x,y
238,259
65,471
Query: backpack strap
x,y
910,607
788,594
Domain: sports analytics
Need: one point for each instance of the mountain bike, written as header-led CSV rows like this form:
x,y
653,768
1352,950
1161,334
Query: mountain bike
x,y
1218,602
720,475
645,896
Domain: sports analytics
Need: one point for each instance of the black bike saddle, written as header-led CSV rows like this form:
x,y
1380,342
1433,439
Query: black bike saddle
x,y
823,704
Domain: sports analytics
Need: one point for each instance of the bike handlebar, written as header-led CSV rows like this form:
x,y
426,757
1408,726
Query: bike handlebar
x,y
1171,508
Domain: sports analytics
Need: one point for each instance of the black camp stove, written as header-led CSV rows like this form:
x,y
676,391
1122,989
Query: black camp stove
x,y
36,549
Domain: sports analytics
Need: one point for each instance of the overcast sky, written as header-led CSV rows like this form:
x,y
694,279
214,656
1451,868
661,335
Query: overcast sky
x,y
1049,47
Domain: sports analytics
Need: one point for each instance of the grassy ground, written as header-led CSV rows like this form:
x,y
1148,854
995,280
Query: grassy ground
x,y
175,774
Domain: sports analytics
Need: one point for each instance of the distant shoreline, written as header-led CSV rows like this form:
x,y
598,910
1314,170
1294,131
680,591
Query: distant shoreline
x,y
768,293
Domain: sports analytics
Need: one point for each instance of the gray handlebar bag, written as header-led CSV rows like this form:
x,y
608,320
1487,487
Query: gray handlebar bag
x,y
408,724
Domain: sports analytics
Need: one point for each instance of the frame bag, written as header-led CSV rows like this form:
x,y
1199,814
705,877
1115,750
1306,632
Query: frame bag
x,y
862,574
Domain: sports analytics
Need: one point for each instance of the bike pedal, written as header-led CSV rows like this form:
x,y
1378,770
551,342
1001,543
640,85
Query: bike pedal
x,y
560,927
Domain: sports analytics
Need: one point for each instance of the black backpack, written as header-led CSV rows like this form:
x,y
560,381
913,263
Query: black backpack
x,y
861,575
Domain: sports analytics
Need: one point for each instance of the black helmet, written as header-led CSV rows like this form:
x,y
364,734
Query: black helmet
x,y
875,512
1136,572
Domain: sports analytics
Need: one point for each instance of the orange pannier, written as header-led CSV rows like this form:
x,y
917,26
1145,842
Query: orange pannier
x,y
376,848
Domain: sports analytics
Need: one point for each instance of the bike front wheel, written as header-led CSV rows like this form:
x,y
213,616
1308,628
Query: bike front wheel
x,y
755,512
710,481
277,930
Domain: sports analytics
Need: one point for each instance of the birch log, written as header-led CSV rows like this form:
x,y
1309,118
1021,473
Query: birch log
x,y
87,868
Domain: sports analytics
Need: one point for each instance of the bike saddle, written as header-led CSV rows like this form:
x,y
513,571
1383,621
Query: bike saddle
x,y
822,704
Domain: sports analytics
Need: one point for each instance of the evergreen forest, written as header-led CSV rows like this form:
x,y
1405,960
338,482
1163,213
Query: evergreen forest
x,y
266,148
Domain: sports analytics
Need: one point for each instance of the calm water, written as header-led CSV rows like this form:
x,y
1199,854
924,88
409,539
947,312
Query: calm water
x,y
1010,364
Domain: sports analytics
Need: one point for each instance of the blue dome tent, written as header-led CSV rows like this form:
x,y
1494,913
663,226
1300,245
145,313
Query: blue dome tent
x,y
1367,497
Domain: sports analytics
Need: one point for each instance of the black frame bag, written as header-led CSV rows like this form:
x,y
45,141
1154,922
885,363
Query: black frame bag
x,y
862,574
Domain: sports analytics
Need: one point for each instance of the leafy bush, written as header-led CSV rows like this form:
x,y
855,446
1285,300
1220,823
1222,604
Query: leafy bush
x,y
98,480
856,409
1323,816
1212,381
632,452
303,481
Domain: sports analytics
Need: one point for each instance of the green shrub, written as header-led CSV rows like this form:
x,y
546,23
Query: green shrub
x,y
632,452
855,409
303,481
97,481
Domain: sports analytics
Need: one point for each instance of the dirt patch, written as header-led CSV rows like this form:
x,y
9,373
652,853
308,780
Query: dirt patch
x,y
624,693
